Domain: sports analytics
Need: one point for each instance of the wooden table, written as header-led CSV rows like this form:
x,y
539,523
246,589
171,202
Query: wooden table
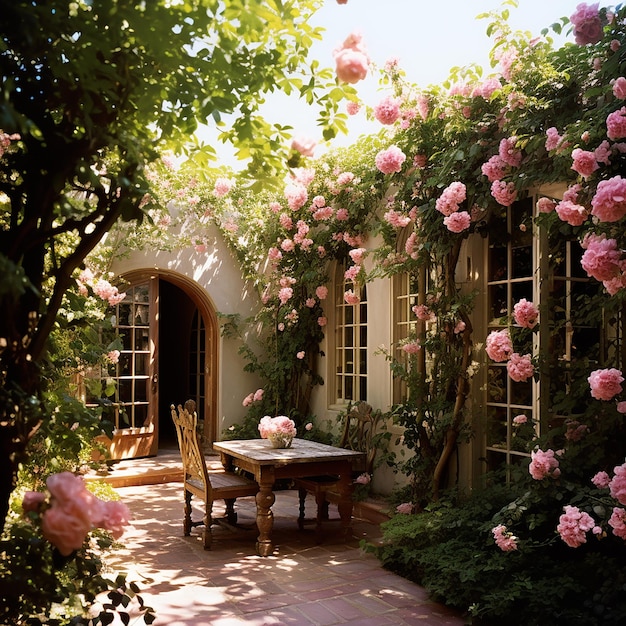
x,y
304,458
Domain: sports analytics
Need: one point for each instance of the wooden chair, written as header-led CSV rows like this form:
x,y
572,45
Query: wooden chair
x,y
358,431
199,481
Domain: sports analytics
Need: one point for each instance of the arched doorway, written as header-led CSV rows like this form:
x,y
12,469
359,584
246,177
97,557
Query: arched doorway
x,y
169,331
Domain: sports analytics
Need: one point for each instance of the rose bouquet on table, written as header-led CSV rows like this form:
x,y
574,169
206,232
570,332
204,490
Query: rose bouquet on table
x,y
279,430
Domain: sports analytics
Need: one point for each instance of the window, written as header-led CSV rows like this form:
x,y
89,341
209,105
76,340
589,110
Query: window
x,y
350,341
511,261
543,269
407,290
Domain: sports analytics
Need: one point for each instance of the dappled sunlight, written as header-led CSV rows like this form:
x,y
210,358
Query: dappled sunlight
x,y
231,585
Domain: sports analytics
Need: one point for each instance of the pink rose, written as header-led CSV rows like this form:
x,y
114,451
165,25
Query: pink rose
x,y
525,314
352,61
222,187
506,541
411,347
406,508
617,522
390,160
606,383
495,168
520,367
584,162
304,145
573,214
387,111
601,480
616,124
601,259
499,346
587,24
617,485
543,464
573,526
112,516
32,501
457,222
619,88
451,197
545,205
504,193
609,201
66,527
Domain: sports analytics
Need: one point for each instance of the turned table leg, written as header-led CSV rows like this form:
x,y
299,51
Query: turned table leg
x,y
264,517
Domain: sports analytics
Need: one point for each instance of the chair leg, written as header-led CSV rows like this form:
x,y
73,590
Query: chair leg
x,y
322,512
187,518
207,535
302,497
231,514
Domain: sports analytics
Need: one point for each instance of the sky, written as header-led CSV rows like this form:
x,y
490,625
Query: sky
x,y
427,37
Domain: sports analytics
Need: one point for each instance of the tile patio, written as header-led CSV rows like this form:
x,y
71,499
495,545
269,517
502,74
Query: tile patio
x,y
302,583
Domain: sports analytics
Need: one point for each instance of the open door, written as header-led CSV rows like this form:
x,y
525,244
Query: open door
x,y
136,378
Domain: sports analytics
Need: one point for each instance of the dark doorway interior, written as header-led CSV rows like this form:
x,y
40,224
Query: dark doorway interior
x,y
177,312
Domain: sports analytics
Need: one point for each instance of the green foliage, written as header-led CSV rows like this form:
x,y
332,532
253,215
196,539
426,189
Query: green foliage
x,y
449,549
40,586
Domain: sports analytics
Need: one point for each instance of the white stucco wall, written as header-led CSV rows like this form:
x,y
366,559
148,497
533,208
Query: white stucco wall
x,y
218,274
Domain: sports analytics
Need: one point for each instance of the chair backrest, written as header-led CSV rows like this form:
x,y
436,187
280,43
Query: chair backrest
x,y
358,434
186,422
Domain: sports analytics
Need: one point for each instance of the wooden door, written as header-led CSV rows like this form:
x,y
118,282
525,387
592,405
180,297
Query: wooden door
x,y
136,373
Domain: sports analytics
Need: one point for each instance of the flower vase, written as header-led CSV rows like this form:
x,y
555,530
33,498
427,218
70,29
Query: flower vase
x,y
280,441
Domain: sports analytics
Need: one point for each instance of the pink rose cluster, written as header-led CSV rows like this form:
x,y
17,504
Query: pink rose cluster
x,y
280,425
304,145
222,187
572,213
520,367
573,526
390,161
609,201
543,464
411,347
257,396
499,346
351,59
448,204
71,512
605,383
617,522
525,314
387,111
587,24
506,541
602,260
101,287
616,124
617,485
503,192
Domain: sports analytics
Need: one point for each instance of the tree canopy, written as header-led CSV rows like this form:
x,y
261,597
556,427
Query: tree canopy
x,y
92,93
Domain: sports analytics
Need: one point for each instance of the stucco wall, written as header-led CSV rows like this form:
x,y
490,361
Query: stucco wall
x,y
217,273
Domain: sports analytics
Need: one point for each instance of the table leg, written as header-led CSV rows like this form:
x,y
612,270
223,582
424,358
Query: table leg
x,y
265,518
344,505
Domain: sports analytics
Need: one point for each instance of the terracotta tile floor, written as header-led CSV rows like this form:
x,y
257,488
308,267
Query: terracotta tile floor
x,y
334,582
